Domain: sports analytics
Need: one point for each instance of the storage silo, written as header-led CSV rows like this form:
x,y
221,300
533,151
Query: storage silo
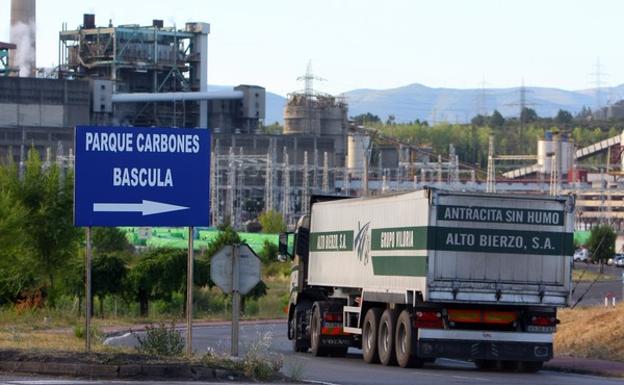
x,y
552,144
301,115
357,147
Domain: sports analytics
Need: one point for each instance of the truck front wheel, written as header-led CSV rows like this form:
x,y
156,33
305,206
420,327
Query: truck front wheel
x,y
405,342
385,338
369,335
297,327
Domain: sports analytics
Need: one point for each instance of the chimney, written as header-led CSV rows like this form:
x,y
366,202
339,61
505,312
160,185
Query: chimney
x,y
23,34
88,21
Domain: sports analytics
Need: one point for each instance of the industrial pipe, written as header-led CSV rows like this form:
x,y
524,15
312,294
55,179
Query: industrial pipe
x,y
175,96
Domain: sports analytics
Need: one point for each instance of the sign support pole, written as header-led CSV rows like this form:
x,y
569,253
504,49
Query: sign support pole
x,y
189,295
235,298
88,304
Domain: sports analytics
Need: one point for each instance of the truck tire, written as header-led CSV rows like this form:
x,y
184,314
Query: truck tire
x,y
369,335
385,337
315,333
300,342
405,340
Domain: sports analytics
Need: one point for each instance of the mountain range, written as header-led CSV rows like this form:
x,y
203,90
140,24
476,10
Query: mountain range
x,y
416,101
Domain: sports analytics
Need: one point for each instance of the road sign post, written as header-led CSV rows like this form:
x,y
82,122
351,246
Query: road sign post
x,y
235,269
235,299
88,304
189,295
132,176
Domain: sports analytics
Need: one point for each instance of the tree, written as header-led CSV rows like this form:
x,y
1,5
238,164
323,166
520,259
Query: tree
x,y
14,274
109,273
563,117
602,243
363,119
269,252
273,129
528,115
272,222
50,224
46,197
110,240
479,120
496,120
160,273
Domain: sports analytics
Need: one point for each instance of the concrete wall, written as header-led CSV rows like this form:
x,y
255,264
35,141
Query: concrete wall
x,y
41,113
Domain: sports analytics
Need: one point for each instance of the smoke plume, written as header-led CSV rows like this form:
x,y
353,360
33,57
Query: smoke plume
x,y
23,35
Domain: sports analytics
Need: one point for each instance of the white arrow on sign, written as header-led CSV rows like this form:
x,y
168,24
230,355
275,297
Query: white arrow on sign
x,y
145,207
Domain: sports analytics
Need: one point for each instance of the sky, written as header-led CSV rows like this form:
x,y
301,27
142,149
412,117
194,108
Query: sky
x,y
376,44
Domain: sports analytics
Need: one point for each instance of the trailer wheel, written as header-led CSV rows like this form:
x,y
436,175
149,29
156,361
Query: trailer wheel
x,y
385,337
369,335
315,333
405,342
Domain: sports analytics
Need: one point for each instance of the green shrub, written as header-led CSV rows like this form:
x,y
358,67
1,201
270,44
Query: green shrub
x,y
161,341
79,332
259,362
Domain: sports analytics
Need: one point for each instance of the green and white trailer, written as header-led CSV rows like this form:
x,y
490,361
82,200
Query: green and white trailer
x,y
411,277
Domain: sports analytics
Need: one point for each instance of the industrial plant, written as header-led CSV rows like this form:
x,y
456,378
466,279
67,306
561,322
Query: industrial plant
x,y
156,76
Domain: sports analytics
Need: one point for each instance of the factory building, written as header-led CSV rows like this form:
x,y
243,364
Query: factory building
x,y
41,113
115,75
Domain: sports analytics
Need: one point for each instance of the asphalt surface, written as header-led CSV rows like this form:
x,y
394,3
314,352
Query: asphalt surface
x,y
352,370
593,293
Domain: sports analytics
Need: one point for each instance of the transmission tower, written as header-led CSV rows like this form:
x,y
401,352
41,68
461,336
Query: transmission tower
x,y
522,104
555,166
490,184
439,171
229,205
286,209
598,76
308,78
315,171
325,172
240,171
268,184
305,194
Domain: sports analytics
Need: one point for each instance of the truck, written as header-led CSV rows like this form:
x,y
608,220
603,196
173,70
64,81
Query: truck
x,y
411,277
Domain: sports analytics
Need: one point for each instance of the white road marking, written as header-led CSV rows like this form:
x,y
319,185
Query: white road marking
x,y
319,382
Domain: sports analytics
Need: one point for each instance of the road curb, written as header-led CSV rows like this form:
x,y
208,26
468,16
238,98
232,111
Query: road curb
x,y
179,371
584,370
118,331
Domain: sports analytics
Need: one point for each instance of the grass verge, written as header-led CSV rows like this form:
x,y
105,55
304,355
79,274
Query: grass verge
x,y
591,332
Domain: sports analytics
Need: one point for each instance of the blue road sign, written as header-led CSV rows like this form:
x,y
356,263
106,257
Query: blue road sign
x,y
130,176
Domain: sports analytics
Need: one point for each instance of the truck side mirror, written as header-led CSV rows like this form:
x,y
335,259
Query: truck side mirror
x,y
284,253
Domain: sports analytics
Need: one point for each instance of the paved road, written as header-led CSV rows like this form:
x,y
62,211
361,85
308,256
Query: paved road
x,y
594,292
352,370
